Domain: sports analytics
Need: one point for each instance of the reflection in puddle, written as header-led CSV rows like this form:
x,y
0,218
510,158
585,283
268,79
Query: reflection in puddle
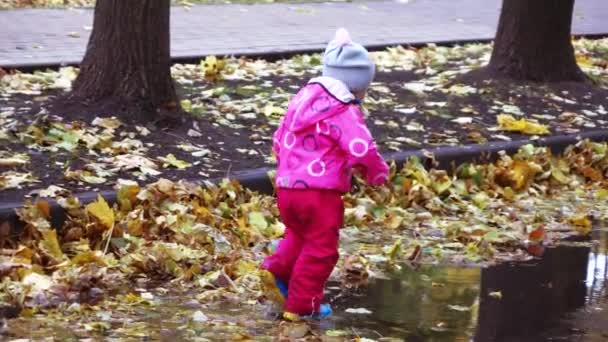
x,y
430,303
534,295
532,301
597,270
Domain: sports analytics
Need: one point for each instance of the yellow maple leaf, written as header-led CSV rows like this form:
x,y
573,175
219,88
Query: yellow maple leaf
x,y
393,251
50,245
581,223
102,211
273,111
212,67
171,160
126,196
269,287
559,171
584,61
440,181
521,173
509,123
89,257
601,194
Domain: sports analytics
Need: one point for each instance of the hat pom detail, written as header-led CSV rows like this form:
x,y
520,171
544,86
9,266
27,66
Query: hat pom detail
x,y
342,37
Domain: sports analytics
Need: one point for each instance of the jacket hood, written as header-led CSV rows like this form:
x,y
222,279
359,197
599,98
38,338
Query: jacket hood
x,y
321,99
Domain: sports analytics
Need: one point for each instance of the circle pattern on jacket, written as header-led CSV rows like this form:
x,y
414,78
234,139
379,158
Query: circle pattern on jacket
x,y
329,129
323,128
358,147
282,181
309,143
300,184
316,168
335,132
289,141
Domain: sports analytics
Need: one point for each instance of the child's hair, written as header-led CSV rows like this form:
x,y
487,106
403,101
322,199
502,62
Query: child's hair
x,y
348,62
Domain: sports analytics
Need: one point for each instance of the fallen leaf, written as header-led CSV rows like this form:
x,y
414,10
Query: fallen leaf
x,y
593,174
50,245
186,105
291,331
463,120
257,220
102,211
15,160
406,110
52,191
537,235
336,333
495,294
194,133
601,194
509,123
12,179
108,123
581,223
212,67
460,308
171,160
199,316
358,311
37,282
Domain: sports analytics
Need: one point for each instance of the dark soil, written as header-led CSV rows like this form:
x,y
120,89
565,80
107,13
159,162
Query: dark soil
x,y
387,125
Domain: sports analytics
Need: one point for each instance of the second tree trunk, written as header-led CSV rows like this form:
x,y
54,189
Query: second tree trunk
x,y
533,42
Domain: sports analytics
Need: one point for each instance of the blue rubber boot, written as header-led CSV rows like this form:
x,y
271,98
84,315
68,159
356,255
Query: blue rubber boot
x,y
282,287
324,312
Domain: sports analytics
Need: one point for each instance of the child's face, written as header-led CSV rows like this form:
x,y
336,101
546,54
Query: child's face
x,y
360,94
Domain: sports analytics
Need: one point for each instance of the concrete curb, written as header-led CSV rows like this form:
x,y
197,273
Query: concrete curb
x,y
446,158
283,54
268,56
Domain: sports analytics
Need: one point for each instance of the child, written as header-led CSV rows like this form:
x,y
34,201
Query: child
x,y
321,139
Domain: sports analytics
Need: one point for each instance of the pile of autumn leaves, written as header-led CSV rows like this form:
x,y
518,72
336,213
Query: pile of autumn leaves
x,y
212,237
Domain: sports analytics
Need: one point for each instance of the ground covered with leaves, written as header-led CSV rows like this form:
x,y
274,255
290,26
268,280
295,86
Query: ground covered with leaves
x,y
236,104
115,271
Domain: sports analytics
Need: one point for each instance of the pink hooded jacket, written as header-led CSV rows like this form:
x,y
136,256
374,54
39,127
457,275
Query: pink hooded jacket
x,y
322,137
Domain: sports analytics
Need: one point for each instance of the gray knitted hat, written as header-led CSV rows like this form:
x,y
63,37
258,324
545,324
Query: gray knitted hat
x,y
348,62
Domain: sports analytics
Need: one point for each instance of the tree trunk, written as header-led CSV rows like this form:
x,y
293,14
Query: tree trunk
x,y
533,42
127,61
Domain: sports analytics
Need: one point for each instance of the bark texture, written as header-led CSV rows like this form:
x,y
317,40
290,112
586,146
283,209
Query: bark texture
x,y
128,59
533,42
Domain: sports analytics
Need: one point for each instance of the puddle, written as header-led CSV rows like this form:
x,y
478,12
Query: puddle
x,y
560,297
432,303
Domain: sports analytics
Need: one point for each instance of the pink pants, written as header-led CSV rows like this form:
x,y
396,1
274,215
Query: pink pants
x,y
308,253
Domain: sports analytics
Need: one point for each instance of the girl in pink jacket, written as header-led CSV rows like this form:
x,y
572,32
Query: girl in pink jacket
x,y
321,139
